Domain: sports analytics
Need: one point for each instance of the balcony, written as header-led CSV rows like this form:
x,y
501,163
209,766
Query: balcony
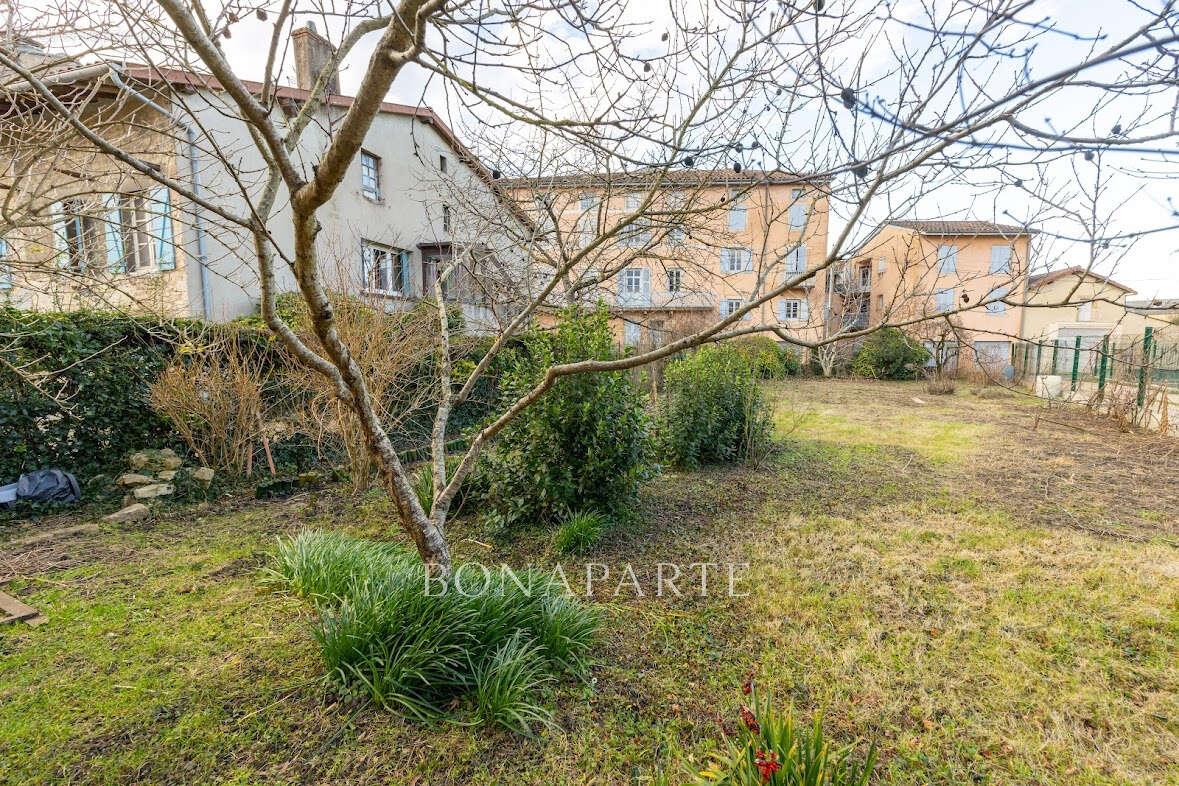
x,y
666,301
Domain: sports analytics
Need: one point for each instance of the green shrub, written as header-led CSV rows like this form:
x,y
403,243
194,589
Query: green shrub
x,y
712,409
382,635
584,443
889,354
769,748
579,532
763,356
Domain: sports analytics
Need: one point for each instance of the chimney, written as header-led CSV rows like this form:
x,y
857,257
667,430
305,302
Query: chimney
x,y
313,55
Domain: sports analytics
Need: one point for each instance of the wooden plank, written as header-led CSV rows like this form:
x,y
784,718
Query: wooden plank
x,y
16,610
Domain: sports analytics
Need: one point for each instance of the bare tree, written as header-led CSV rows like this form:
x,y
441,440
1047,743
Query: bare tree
x,y
873,116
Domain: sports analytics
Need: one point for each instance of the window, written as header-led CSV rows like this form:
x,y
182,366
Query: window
x,y
947,259
675,280
638,232
370,175
675,204
998,306
634,287
632,280
881,266
796,260
632,331
442,164
123,232
880,303
1000,259
797,209
587,224
736,211
446,218
944,353
730,306
5,270
789,310
588,201
1084,311
865,277
943,301
992,353
385,270
736,260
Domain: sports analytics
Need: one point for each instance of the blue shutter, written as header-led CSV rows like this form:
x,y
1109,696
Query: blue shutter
x,y
116,255
161,228
403,261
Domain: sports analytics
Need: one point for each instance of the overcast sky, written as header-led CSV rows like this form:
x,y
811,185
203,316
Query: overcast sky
x,y
1136,202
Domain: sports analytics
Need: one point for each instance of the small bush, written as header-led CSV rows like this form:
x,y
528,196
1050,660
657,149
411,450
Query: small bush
x,y
768,747
579,533
712,409
763,355
889,354
939,384
584,443
421,654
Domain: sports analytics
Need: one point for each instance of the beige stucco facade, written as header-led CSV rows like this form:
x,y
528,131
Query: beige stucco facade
x,y
1096,308
707,242
952,271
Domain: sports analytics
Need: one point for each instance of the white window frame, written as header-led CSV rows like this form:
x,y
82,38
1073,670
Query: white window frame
x,y
947,259
632,281
632,333
442,163
736,260
790,310
446,219
881,266
395,262
1085,311
730,306
370,175
865,276
675,280
796,260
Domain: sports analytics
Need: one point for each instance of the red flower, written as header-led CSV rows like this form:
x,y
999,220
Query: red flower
x,y
749,720
747,686
767,764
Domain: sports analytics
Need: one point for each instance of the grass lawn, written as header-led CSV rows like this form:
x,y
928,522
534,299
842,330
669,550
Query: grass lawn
x,y
988,589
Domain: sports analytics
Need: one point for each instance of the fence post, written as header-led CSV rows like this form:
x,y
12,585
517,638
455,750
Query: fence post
x,y
1055,353
1101,371
1039,357
1146,342
1027,350
1076,362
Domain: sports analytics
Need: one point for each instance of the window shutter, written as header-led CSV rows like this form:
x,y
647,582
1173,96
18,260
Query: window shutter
x,y
366,266
724,259
748,253
116,257
781,310
797,216
621,281
60,237
161,228
1000,259
646,283
403,261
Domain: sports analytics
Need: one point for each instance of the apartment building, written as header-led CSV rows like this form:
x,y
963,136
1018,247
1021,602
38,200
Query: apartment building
x,y
673,251
414,201
954,271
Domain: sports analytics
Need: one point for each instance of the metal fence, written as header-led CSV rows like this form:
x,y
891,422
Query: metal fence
x,y
1135,378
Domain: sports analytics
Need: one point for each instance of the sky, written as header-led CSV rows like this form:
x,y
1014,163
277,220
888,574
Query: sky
x,y
1135,201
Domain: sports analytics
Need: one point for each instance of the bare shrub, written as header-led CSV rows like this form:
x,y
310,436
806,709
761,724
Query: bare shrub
x,y
213,395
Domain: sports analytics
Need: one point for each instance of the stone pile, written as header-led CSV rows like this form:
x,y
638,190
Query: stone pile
x,y
152,475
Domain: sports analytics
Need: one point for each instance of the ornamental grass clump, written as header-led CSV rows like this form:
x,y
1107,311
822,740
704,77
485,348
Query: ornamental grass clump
x,y
427,650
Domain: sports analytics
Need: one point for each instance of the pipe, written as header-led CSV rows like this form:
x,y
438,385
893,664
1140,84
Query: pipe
x,y
194,174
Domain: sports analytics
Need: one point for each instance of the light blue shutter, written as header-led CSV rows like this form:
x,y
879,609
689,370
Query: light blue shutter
x,y
1000,259
59,228
804,311
781,310
748,252
403,260
5,271
646,283
725,253
947,259
116,255
161,228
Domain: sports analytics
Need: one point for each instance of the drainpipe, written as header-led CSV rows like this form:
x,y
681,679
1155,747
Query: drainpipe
x,y
194,174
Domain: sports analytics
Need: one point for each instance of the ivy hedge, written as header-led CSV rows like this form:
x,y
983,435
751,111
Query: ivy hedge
x,y
79,401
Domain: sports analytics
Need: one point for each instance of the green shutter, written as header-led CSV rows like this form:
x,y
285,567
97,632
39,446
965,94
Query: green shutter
x,y
161,228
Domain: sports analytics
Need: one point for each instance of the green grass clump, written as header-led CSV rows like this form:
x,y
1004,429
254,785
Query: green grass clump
x,y
770,748
415,647
579,532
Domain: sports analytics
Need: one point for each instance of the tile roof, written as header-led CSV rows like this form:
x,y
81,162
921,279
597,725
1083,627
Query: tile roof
x,y
963,228
1054,275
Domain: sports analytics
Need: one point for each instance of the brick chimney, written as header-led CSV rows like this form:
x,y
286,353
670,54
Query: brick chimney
x,y
313,54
